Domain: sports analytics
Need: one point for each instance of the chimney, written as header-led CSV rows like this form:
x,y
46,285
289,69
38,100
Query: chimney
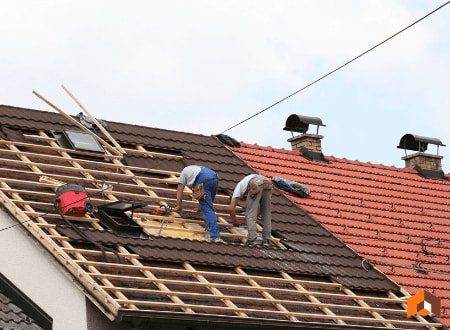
x,y
309,144
427,164
309,141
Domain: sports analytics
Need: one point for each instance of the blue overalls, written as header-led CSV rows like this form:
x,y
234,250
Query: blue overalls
x,y
210,182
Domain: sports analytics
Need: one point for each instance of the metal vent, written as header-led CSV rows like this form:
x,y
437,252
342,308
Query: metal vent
x,y
417,142
300,124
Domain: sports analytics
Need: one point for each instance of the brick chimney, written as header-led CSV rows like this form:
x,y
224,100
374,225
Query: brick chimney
x,y
428,165
312,142
424,161
310,145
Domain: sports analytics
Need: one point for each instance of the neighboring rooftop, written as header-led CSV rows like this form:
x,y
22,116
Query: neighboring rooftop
x,y
17,311
389,214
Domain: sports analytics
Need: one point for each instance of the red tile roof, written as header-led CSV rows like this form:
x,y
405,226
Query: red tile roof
x,y
384,213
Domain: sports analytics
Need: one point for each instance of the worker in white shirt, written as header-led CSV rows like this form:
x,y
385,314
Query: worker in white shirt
x,y
257,191
204,182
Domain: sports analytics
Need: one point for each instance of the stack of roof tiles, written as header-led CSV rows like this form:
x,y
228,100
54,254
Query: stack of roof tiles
x,y
384,213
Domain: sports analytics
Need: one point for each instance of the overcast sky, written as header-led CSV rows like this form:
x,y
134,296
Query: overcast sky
x,y
201,66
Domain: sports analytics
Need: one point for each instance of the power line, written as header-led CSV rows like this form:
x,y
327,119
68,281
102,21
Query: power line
x,y
336,69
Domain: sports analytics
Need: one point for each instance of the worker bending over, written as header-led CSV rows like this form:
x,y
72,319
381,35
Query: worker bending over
x,y
257,190
204,182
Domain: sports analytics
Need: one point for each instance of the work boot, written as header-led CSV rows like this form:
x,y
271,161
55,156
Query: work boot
x,y
253,242
266,243
217,240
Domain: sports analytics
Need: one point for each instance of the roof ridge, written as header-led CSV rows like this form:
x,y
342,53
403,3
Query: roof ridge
x,y
338,159
108,121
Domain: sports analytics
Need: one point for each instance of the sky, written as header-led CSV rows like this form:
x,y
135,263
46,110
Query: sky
x,y
202,66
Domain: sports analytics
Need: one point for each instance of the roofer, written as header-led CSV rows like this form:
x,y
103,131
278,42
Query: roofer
x,y
204,182
257,190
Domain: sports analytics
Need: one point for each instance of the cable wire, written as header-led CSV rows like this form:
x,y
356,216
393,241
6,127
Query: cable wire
x,y
338,68
416,267
42,215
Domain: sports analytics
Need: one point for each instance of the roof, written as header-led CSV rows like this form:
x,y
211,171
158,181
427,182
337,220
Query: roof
x,y
306,260
17,311
384,213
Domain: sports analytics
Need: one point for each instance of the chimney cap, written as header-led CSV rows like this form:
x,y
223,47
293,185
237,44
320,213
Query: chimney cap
x,y
300,124
417,142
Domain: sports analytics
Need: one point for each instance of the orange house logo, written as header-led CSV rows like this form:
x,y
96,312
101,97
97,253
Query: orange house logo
x,y
423,303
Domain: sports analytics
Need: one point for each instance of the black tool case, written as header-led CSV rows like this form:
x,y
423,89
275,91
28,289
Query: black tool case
x,y
114,217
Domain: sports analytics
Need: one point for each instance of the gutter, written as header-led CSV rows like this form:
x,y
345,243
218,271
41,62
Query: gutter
x,y
145,319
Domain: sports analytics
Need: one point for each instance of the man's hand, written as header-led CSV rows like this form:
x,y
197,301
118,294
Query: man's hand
x,y
179,206
232,209
196,208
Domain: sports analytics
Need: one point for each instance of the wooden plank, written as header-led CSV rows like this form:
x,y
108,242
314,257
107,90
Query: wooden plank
x,y
98,253
48,148
91,190
218,309
151,277
141,149
247,288
79,125
221,275
278,304
313,299
86,161
195,295
375,314
82,180
216,292
77,170
96,122
38,138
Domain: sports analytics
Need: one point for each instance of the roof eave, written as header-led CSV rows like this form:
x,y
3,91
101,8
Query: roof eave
x,y
222,322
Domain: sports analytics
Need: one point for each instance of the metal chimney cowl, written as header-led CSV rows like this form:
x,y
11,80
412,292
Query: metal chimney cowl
x,y
420,158
300,124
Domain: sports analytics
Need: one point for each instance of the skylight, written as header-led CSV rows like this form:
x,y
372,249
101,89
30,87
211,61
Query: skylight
x,y
78,140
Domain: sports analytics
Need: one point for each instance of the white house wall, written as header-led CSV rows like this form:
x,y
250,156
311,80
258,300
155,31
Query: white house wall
x,y
32,270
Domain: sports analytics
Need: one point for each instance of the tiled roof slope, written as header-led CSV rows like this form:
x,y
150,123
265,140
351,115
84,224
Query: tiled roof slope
x,y
384,213
315,251
12,317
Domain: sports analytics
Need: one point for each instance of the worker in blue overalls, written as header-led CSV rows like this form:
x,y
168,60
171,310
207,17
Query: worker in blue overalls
x,y
204,182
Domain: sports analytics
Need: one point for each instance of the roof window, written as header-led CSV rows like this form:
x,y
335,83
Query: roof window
x,y
113,215
78,141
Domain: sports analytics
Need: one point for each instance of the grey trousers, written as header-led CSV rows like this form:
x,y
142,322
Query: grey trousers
x,y
261,203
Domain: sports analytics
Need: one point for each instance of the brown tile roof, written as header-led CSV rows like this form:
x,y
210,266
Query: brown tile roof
x,y
14,317
312,251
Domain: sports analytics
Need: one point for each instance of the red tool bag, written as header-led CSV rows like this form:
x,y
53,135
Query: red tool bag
x,y
71,200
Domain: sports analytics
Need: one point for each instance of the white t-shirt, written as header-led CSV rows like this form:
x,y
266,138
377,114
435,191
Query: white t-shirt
x,y
188,175
241,187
